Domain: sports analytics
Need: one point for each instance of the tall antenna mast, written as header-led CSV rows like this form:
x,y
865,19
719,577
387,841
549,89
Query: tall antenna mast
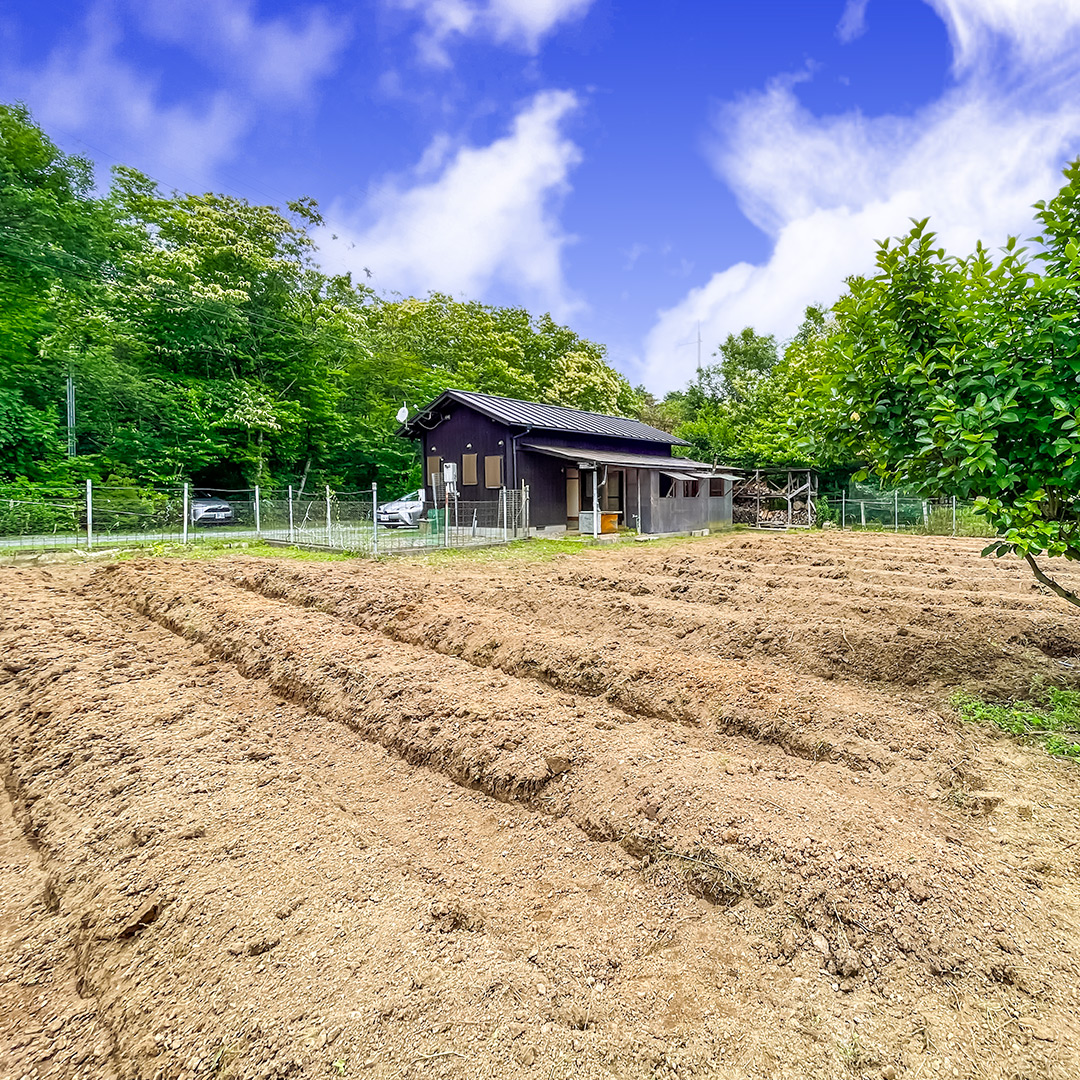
x,y
699,346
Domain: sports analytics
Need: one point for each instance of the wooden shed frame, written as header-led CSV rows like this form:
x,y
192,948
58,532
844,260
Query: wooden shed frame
x,y
776,499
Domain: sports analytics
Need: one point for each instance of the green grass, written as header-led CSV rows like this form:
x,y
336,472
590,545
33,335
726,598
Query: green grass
x,y
1051,718
536,549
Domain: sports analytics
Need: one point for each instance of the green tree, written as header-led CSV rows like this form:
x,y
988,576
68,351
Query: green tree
x,y
961,376
206,344
751,409
54,250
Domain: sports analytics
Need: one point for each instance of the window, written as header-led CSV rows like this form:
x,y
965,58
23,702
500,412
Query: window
x,y
493,471
667,486
468,470
433,467
690,489
716,487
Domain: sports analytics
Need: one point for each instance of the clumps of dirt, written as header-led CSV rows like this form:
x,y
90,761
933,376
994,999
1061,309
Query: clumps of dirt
x,y
447,916
409,820
442,715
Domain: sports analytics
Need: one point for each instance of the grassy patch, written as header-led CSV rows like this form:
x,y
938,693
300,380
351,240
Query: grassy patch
x,y
1050,718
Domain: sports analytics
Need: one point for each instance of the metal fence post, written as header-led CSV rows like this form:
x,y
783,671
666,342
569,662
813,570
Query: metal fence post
x,y
89,514
258,519
292,535
328,532
896,511
506,535
375,520
862,513
954,515
187,511
843,510
595,503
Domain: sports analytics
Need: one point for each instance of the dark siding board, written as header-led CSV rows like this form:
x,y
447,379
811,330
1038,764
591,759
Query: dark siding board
x,y
451,440
546,477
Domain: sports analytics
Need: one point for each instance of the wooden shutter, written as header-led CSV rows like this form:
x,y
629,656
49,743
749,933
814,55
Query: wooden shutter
x,y
468,469
434,465
493,471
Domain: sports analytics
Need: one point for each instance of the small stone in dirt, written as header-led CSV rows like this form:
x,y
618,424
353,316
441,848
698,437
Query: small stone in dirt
x,y
525,1055
987,801
556,764
848,962
918,890
1038,1031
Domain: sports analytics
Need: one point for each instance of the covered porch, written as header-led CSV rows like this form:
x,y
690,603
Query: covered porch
x,y
609,491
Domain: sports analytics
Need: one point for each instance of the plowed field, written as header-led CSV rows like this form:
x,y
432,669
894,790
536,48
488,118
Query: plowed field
x,y
656,811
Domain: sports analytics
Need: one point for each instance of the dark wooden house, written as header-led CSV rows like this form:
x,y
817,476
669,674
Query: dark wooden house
x,y
574,463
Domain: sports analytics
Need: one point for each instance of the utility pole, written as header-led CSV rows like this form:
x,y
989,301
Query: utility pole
x,y
697,339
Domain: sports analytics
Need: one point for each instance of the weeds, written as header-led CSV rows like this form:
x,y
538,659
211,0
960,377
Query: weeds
x,y
1050,718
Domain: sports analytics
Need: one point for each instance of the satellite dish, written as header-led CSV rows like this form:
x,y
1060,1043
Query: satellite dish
x,y
402,414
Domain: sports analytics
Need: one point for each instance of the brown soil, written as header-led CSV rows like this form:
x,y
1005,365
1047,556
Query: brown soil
x,y
682,810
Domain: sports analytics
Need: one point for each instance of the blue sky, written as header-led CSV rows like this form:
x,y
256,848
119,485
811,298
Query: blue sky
x,y
637,168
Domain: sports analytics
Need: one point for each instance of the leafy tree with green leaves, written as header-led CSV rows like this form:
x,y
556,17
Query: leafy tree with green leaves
x,y
54,251
961,376
751,408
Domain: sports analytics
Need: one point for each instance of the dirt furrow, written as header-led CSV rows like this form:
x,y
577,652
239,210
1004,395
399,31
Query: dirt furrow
x,y
641,682
731,829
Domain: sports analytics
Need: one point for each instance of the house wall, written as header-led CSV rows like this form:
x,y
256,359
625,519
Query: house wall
x,y
682,514
720,510
467,432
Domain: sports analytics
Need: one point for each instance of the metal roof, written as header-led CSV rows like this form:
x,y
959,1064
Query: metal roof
x,y
684,467
533,414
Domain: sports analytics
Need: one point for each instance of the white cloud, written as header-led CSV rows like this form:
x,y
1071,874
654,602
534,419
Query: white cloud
x,y
88,88
274,58
824,188
853,22
1035,31
517,23
466,221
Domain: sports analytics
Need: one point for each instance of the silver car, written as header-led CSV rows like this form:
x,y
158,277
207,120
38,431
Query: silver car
x,y
406,512
211,512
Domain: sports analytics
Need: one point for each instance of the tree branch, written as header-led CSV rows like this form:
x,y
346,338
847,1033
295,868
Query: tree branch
x,y
1050,583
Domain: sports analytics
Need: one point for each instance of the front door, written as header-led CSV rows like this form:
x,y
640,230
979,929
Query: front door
x,y
573,498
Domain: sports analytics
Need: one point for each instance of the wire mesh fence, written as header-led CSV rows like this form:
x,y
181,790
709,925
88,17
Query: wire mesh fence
x,y
891,511
95,516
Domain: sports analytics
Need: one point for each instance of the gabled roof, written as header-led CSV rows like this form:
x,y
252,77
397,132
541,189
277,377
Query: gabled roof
x,y
538,417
